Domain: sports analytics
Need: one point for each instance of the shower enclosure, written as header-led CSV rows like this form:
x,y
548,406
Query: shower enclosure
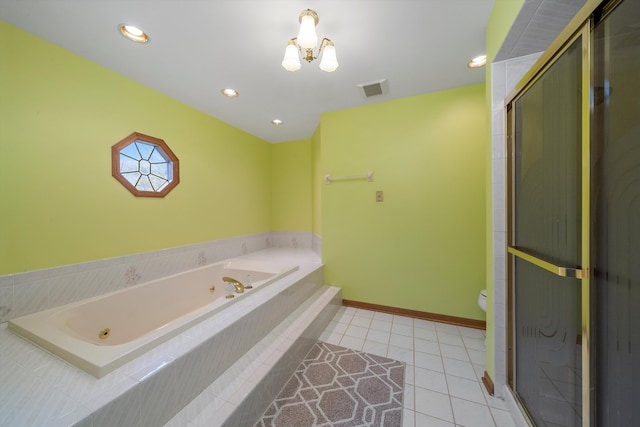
x,y
573,204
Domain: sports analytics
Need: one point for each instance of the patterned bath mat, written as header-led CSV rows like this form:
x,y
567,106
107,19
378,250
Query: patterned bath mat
x,y
338,387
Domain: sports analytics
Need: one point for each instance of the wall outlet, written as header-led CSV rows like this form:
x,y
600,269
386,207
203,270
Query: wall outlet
x,y
379,196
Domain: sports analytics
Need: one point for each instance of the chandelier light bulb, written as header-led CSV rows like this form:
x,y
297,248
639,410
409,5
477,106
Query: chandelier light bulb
x,y
307,37
329,61
291,60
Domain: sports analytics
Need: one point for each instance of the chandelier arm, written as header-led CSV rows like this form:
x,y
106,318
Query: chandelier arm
x,y
301,54
307,54
325,41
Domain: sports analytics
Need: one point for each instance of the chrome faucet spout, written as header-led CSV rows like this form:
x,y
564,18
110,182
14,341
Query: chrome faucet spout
x,y
239,287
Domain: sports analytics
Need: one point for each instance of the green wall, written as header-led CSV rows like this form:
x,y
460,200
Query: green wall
x,y
502,16
317,180
291,197
423,248
60,114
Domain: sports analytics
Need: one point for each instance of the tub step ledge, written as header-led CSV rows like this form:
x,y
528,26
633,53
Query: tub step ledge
x,y
243,392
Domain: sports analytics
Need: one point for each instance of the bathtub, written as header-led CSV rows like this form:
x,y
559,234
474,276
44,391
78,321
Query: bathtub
x,y
103,333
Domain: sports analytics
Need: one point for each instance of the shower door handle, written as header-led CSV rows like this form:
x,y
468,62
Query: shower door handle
x,y
573,272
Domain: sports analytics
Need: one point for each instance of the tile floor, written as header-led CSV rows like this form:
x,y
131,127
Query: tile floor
x,y
444,366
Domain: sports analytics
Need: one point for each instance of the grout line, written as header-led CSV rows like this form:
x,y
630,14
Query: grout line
x,y
438,332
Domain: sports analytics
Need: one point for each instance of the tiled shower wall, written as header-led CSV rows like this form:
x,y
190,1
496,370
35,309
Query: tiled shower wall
x,y
38,290
504,77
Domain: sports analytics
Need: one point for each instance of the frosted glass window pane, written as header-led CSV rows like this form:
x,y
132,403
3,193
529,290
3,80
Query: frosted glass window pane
x,y
132,177
157,183
158,156
144,184
145,167
131,151
145,149
161,170
127,164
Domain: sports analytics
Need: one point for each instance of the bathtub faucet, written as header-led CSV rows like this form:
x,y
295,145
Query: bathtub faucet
x,y
236,284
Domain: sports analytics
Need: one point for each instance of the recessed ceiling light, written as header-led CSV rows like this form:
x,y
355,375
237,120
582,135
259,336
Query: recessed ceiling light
x,y
277,122
231,93
133,33
478,61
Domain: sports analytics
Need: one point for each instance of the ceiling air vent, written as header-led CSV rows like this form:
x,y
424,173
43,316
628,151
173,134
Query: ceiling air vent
x,y
373,89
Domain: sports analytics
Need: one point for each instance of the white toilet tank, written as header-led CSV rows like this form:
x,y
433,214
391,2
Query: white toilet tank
x,y
482,300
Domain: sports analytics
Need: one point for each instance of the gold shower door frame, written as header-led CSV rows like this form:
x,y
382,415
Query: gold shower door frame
x,y
583,273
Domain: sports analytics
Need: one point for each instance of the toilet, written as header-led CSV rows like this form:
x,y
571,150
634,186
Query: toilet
x,y
482,300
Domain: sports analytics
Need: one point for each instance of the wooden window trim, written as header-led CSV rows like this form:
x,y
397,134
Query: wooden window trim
x,y
115,164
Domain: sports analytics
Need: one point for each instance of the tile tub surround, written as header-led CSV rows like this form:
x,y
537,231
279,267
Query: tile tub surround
x,y
33,291
37,388
241,395
138,318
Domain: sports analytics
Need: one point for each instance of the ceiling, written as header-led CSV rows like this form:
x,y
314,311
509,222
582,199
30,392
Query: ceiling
x,y
538,23
199,47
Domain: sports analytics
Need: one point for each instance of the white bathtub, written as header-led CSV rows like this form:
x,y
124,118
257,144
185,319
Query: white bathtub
x,y
101,334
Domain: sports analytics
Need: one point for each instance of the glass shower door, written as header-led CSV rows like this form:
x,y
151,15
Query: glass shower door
x,y
545,242
617,215
574,228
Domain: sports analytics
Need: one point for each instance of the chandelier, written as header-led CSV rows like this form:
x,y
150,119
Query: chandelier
x,y
303,44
